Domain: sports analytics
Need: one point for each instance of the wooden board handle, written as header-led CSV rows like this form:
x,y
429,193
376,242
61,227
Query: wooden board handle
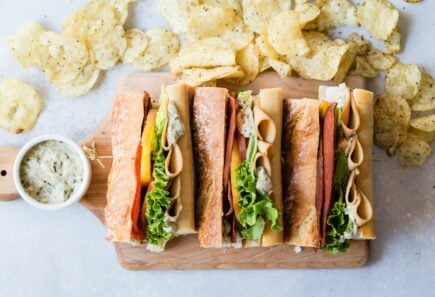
x,y
7,187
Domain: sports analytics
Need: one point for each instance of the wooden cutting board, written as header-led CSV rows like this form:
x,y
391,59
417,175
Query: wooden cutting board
x,y
184,252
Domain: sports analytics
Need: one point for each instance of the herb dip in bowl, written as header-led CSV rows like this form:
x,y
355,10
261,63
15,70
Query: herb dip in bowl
x,y
51,172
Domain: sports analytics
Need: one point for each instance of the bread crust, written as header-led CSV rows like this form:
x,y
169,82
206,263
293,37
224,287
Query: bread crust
x,y
301,130
208,125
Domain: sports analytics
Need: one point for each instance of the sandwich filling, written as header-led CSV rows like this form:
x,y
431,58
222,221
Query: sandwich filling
x,y
254,207
350,208
161,163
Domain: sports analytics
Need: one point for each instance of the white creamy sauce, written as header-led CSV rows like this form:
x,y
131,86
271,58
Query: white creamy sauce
x,y
175,125
51,172
264,183
352,234
338,94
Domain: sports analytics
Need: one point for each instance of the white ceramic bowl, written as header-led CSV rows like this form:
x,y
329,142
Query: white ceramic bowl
x,y
76,196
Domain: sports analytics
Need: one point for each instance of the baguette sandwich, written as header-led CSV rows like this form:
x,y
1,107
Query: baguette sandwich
x,y
327,181
238,149
150,197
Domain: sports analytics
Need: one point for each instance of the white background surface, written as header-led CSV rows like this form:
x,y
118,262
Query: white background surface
x,y
64,253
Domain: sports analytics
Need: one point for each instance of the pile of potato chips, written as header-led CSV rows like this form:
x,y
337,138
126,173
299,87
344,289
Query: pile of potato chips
x,y
237,40
409,92
93,39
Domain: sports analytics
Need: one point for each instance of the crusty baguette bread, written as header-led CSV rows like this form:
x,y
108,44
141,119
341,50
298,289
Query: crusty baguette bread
x,y
301,130
179,94
208,124
364,102
127,119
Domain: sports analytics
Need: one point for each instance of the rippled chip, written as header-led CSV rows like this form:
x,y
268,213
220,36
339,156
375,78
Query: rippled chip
x,y
324,59
62,58
137,43
218,21
364,68
258,13
346,63
163,45
282,68
393,106
120,8
379,17
393,43
232,4
211,52
425,99
25,46
424,127
80,85
392,115
414,151
20,106
403,80
336,13
266,49
380,60
199,76
285,34
358,43
308,12
249,61
98,26
177,13
388,133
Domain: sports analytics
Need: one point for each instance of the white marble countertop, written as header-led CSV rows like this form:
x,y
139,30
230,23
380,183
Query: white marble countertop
x,y
64,253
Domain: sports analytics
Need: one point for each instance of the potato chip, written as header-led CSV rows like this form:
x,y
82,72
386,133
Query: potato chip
x,y
198,76
107,45
307,12
217,21
413,1
263,63
414,151
393,43
324,59
20,106
249,61
163,45
62,58
379,60
393,106
425,99
336,13
388,133
285,34
379,17
25,46
283,69
363,68
137,43
265,47
120,8
403,80
357,42
232,4
96,24
424,127
177,13
346,63
257,14
80,85
211,52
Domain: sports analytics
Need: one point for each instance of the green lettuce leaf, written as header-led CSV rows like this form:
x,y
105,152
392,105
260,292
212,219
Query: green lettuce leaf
x,y
339,222
158,199
255,207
